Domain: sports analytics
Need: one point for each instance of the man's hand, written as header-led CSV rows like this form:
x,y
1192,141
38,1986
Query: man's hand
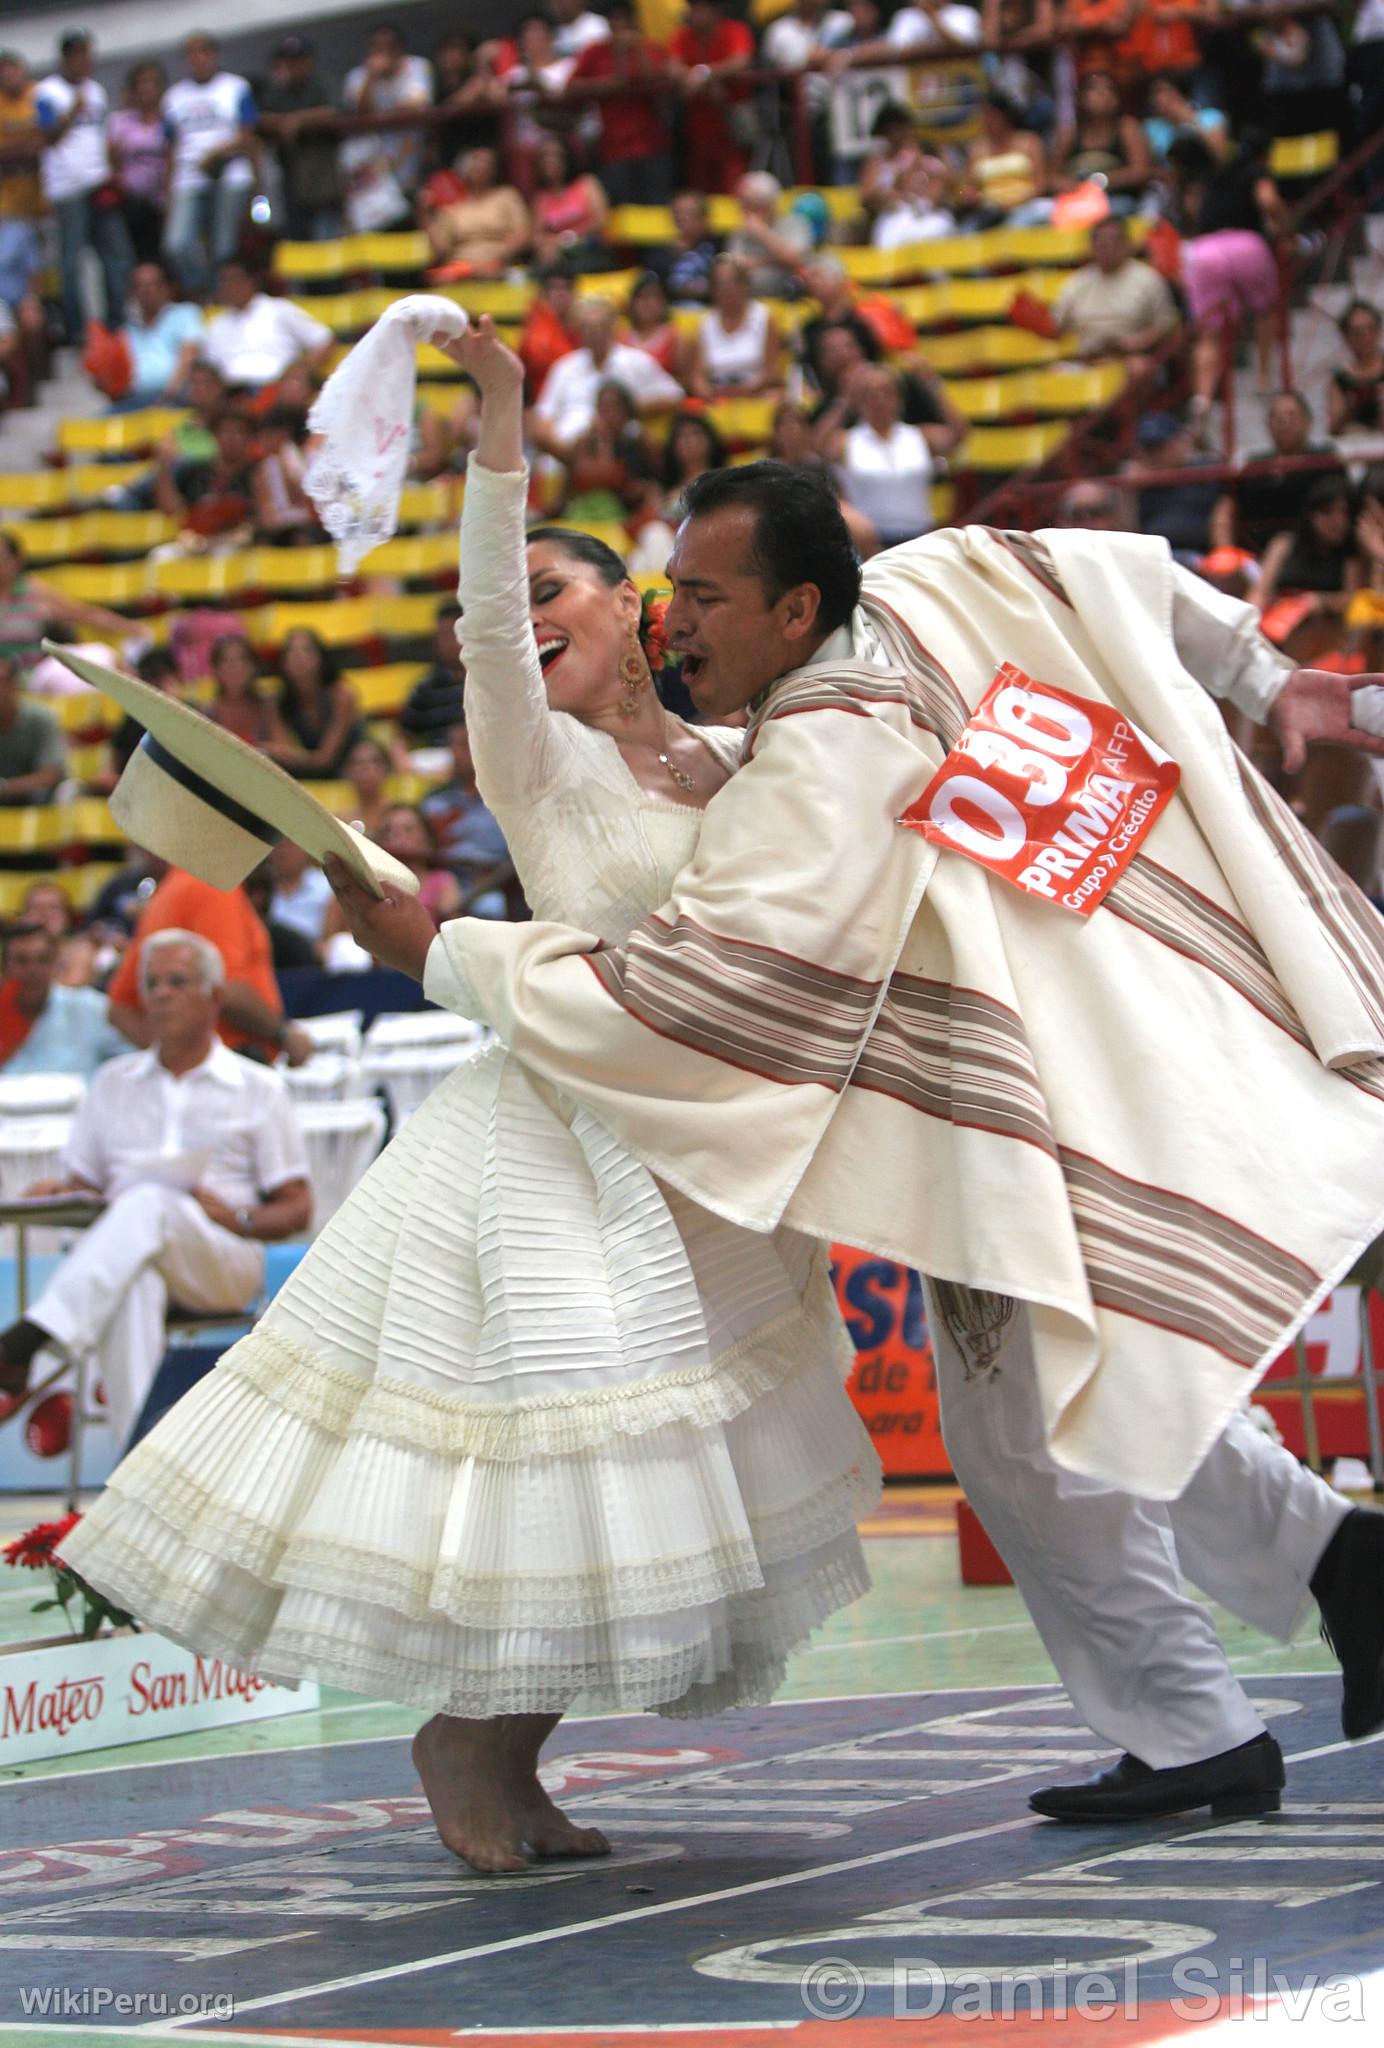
x,y
45,1188
219,1211
298,1045
395,928
1315,704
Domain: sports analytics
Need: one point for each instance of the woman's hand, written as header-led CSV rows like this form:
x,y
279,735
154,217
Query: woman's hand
x,y
395,928
495,369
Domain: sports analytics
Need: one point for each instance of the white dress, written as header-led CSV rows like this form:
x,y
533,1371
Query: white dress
x,y
524,1426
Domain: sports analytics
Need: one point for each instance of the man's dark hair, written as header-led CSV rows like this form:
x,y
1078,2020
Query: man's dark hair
x,y
75,39
584,547
799,533
156,665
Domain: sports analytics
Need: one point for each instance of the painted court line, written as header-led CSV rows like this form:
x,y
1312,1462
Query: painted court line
x,y
622,1919
541,1936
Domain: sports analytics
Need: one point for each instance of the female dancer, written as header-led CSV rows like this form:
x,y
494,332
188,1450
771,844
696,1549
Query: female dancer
x,y
524,1424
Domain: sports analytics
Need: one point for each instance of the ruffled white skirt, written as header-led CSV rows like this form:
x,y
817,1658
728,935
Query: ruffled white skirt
x,y
523,1429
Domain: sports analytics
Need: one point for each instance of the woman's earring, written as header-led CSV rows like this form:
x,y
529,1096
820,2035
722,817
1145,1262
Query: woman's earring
x,y
634,677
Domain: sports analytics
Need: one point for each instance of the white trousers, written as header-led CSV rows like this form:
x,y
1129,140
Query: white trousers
x,y
1101,1572
111,1291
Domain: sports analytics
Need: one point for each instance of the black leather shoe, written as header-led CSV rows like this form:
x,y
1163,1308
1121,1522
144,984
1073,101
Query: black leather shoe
x,y
1246,1780
1348,1585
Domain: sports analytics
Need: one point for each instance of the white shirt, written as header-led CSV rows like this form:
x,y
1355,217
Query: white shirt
x,y
912,29
889,478
568,398
81,161
911,220
570,38
303,907
257,345
790,43
201,118
735,356
237,1112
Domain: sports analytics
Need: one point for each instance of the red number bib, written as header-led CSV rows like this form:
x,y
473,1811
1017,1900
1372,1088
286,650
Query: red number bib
x,y
1053,792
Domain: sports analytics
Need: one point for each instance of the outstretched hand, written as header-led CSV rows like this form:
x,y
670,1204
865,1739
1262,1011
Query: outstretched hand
x,y
393,927
1316,704
495,369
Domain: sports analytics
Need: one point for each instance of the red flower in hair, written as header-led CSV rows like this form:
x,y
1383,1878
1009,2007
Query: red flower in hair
x,y
653,633
38,1548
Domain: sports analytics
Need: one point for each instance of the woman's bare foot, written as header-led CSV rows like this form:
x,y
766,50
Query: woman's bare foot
x,y
544,1826
463,1766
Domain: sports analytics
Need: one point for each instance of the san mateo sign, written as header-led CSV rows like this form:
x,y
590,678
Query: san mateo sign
x,y
61,1698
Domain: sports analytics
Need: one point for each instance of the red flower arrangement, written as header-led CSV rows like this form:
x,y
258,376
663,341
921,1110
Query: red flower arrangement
x,y
653,633
38,1550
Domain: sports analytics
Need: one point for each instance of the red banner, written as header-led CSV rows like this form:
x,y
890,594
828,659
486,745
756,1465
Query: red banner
x,y
894,1386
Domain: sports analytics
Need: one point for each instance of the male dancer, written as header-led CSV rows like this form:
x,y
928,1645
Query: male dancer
x,y
1133,1149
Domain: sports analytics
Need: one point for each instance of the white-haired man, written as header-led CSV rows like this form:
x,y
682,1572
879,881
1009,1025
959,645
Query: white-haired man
x,y
198,1157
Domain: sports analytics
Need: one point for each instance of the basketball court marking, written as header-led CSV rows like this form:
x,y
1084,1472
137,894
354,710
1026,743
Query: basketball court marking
x,y
307,1881
539,1936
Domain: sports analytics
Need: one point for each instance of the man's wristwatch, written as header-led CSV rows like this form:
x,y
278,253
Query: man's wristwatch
x,y
244,1221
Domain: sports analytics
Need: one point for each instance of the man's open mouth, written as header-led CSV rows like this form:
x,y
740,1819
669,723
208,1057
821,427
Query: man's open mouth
x,y
692,665
551,648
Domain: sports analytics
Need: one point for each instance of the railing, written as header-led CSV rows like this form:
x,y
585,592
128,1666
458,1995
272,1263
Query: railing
x,y
1031,501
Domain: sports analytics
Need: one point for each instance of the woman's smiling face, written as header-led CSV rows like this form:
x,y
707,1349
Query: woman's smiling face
x,y
582,626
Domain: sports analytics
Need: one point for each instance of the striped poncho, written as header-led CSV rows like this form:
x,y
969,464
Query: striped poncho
x,y
1161,1127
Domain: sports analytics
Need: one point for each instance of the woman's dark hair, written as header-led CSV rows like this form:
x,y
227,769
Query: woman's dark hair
x,y
799,533
671,475
224,641
328,667
1190,155
1326,490
585,548
156,665
1359,306
137,71
648,280
15,546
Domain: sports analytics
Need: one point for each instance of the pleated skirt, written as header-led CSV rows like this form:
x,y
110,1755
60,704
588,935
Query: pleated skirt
x,y
524,1430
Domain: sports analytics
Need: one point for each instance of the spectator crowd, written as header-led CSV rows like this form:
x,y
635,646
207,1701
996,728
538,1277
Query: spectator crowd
x,y
143,233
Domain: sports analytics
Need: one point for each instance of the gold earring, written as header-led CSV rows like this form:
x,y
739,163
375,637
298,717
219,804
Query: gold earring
x,y
634,677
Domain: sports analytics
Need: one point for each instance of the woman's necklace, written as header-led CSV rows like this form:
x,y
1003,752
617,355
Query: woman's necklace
x,y
679,775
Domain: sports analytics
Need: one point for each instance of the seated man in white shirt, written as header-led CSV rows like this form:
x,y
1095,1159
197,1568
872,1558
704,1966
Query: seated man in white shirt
x,y
255,337
567,405
198,1157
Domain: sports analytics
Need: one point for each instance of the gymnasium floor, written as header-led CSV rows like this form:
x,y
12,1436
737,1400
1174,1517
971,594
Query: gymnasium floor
x,y
852,1865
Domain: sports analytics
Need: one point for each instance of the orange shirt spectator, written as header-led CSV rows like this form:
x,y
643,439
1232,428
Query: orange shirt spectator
x,y
229,921
1163,38
1102,20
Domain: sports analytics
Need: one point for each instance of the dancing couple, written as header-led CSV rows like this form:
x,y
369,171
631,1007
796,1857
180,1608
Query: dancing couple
x,y
553,1407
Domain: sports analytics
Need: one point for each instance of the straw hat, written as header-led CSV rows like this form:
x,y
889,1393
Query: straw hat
x,y
200,798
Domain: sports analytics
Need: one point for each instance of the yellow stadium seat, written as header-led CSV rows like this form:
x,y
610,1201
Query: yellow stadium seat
x,y
645,226
1304,156
291,568
432,504
983,398
615,285
842,201
1075,390
382,690
190,578
413,556
1006,449
112,583
925,305
408,251
499,297
339,622
57,540
608,530
89,822
308,262
81,885
87,711
86,762
119,433
52,490
943,503
996,348
37,828
723,212
743,421
129,533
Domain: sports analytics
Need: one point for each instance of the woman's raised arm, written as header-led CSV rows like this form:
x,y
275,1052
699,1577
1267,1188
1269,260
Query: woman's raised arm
x,y
520,747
